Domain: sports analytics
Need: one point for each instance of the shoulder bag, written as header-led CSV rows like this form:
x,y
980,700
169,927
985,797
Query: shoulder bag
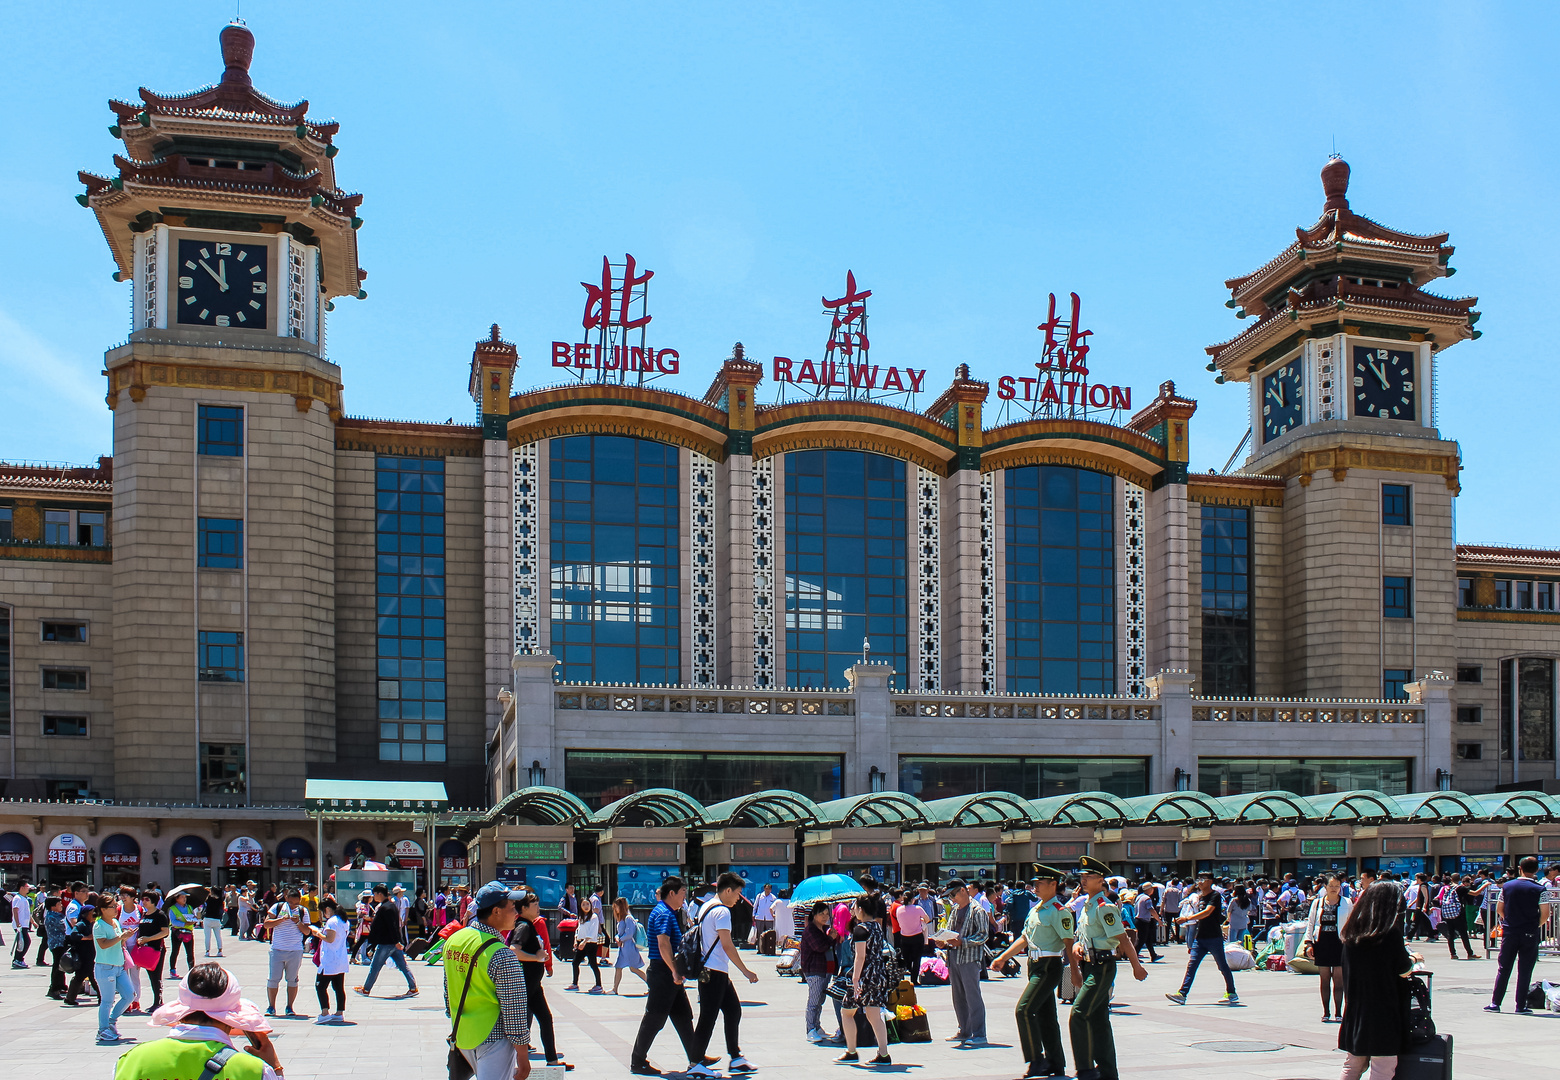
x,y
459,1067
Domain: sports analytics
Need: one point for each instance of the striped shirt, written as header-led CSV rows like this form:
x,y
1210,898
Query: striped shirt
x,y
970,923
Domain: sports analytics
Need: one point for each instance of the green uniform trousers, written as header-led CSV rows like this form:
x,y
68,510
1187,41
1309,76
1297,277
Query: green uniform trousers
x,y
1094,1050
1039,1034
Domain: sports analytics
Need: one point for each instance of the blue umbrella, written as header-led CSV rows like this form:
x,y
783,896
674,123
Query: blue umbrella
x,y
825,887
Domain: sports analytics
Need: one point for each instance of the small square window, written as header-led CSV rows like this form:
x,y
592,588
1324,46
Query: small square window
x,y
222,430
71,633
1397,597
221,656
1524,595
1393,681
1470,673
56,527
91,528
1544,596
1470,751
1465,592
222,769
1470,714
64,679
221,543
1396,504
1502,593
65,727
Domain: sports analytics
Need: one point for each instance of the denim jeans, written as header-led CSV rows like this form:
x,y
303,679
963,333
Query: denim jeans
x,y
115,992
1200,947
213,929
396,956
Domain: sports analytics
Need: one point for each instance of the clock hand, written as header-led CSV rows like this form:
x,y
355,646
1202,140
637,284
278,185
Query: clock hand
x,y
213,274
1380,373
1277,394
222,266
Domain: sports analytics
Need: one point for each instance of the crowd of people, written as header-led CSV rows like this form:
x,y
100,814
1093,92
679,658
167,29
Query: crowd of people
x,y
1070,929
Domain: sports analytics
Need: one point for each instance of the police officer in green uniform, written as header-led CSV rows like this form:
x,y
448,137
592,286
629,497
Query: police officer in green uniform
x,y
1047,938
1101,939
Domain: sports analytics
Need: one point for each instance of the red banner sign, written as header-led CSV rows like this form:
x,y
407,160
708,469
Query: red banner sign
x,y
866,853
643,854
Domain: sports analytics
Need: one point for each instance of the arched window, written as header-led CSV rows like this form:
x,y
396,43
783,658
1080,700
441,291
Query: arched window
x,y
845,564
616,614
1061,580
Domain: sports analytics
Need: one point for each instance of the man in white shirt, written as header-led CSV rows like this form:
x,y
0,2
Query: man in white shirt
x,y
21,922
402,904
717,994
763,912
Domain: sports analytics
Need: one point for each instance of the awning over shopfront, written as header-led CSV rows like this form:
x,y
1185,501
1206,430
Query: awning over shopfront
x,y
876,808
1524,807
120,850
1440,807
1262,808
338,798
1363,807
1081,808
541,806
1001,809
657,806
191,852
1174,808
15,849
295,853
776,808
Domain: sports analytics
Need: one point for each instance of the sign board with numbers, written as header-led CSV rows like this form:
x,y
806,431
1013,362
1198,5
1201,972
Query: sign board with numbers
x,y
761,854
1405,845
859,853
969,853
535,851
1483,845
1324,847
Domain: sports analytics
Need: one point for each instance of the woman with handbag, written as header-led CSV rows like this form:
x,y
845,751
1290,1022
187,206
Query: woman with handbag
x,y
869,984
1376,967
1323,946
587,943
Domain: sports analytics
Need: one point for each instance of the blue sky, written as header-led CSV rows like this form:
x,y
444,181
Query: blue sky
x,y
963,159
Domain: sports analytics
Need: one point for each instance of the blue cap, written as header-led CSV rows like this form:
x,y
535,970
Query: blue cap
x,y
494,891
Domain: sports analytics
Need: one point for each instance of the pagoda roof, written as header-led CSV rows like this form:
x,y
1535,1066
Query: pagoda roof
x,y
1491,555
1346,268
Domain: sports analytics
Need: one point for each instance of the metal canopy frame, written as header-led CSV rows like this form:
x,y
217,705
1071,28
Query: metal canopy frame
x,y
1174,808
1081,808
1262,808
772,809
1364,806
1002,809
888,809
665,807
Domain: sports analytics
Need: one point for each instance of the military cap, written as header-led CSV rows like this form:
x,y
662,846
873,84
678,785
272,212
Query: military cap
x,y
1048,873
1087,864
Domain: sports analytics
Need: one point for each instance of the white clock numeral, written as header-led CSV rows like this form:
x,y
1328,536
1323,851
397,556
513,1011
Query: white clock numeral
x,y
1408,386
259,287
254,269
186,282
1358,381
242,255
222,320
1381,354
224,249
255,304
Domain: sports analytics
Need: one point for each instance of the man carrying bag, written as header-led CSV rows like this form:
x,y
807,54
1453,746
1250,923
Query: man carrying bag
x,y
484,992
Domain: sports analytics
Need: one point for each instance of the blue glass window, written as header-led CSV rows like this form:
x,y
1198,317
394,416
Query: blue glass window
x,y
221,656
221,430
221,543
1226,600
1397,506
1061,581
1392,682
615,592
1397,597
845,565
409,594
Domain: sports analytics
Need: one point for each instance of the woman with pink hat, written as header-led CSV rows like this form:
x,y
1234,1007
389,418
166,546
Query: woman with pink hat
x,y
208,1014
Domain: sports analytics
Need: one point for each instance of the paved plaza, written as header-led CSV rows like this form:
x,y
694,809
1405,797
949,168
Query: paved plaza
x,y
391,1038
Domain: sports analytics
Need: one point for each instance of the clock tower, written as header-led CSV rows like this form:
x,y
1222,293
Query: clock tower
x,y
1341,371
224,217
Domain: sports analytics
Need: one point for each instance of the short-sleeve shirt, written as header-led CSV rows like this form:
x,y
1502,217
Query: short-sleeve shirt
x,y
285,935
663,920
1099,924
1048,926
713,918
334,954
105,935
152,923
1521,897
21,910
1209,926
527,940
911,919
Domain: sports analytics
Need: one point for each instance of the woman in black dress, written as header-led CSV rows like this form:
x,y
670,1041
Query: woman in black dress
x,y
1376,965
1329,911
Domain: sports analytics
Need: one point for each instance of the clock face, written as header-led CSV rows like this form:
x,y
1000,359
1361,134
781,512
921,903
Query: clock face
x,y
1384,383
223,284
1282,392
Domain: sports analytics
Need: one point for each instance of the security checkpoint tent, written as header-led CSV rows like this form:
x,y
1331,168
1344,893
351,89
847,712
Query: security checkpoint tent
x,y
372,800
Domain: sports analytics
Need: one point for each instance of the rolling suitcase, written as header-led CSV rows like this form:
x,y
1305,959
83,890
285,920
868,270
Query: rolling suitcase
x,y
1430,1060
766,943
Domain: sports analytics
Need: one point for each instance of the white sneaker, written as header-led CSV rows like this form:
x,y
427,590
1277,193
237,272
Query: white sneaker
x,y
700,1069
740,1064
816,1036
322,1018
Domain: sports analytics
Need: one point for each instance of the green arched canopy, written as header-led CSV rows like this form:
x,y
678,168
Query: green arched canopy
x,y
877,808
1080,808
1173,808
658,806
1002,809
1261,808
776,808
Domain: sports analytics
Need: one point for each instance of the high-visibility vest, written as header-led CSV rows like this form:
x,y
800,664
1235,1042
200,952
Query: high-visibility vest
x,y
183,1059
482,1009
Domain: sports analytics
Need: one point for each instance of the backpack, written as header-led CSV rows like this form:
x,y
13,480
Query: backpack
x,y
1451,906
1421,1028
691,954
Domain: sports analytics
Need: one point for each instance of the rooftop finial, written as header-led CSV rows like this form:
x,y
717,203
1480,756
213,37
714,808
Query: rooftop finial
x,y
494,332
1335,183
238,49
737,352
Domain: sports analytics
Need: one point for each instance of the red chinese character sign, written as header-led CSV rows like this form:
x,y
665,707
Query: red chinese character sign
x,y
1061,387
615,344
846,369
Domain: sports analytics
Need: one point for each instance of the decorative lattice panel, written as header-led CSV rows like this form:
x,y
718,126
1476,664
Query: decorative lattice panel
x,y
1135,601
297,287
527,537
764,572
148,313
701,532
988,584
928,499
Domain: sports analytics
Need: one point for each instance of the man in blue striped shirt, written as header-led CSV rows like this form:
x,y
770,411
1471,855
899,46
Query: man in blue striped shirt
x,y
667,1000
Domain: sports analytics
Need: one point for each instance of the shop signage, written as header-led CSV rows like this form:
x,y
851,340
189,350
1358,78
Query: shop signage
x,y
294,854
15,850
1483,845
534,851
1061,849
667,854
67,849
1152,849
1239,849
409,854
120,850
867,853
1405,845
1545,843
452,862
1324,847
969,853
191,851
245,851
761,854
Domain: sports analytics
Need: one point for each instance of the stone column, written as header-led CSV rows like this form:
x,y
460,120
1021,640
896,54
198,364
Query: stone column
x,y
874,744
534,727
1434,692
962,626
734,391
493,362
1166,420
1177,749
